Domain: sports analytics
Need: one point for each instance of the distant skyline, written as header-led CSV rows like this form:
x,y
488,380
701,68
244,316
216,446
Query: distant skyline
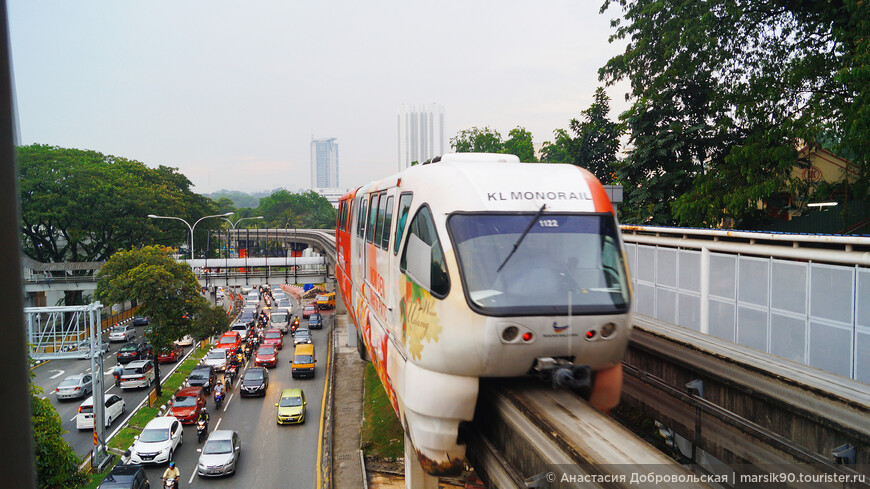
x,y
420,133
230,93
324,163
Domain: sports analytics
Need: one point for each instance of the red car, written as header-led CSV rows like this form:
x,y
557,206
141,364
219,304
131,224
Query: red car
x,y
230,341
187,404
171,356
274,338
308,310
267,356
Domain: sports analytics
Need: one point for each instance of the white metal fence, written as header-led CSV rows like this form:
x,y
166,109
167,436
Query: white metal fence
x,y
805,298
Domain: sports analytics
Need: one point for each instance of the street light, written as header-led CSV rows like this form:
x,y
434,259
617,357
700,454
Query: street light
x,y
234,224
152,216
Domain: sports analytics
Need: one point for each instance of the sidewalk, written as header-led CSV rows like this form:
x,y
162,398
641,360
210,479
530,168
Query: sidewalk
x,y
347,414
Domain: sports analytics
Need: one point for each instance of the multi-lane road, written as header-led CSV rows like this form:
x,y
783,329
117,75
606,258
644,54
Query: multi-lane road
x,y
272,455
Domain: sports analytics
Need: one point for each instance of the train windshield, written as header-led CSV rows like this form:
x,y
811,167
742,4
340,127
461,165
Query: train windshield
x,y
565,263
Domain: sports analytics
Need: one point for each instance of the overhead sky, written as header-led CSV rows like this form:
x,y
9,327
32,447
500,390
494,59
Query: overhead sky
x,y
231,92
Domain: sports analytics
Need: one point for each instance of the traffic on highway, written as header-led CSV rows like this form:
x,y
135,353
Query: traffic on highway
x,y
268,418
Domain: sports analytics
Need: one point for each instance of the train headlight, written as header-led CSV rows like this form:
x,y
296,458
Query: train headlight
x,y
510,333
607,330
528,336
590,335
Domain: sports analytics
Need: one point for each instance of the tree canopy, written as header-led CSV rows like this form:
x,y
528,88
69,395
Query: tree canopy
x,y
79,205
726,91
487,140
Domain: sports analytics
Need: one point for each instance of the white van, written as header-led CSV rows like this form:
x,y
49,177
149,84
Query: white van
x,y
280,320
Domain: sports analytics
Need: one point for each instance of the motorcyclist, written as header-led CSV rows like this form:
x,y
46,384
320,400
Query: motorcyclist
x,y
171,472
116,372
219,388
203,417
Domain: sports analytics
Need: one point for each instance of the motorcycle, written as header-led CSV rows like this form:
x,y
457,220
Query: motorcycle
x,y
218,399
201,430
230,375
248,350
117,380
170,483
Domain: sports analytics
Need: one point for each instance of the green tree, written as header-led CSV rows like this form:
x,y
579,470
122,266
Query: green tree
x,y
79,205
166,288
57,465
476,140
558,151
596,139
520,144
209,321
308,210
725,91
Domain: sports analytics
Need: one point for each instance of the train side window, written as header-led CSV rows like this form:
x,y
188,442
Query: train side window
x,y
361,218
388,221
423,259
342,216
347,214
379,230
373,215
404,205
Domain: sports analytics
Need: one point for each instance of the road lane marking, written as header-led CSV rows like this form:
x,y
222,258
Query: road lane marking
x,y
217,424
227,404
323,406
58,374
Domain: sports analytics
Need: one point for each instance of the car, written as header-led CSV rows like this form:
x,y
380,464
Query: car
x,y
280,320
246,317
121,333
267,356
217,358
252,300
303,362
326,301
115,407
308,310
291,406
130,476
255,382
302,336
78,386
84,349
241,328
202,376
185,340
138,350
315,321
140,321
138,374
284,304
274,337
187,404
158,441
220,454
230,341
171,356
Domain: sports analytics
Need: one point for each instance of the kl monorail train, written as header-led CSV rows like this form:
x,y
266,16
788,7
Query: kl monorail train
x,y
476,265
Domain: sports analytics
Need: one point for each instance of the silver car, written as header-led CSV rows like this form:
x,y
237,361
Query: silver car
x,y
84,349
75,387
220,454
121,333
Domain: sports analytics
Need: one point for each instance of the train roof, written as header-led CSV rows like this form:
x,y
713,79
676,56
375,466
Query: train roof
x,y
479,181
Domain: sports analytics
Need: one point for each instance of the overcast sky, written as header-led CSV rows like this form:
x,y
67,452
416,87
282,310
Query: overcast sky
x,y
232,92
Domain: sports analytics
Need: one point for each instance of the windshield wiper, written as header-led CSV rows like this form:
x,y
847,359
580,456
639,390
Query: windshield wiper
x,y
522,236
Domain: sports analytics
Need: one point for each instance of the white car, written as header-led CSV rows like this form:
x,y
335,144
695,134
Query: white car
x,y
158,441
122,333
115,408
216,358
137,374
187,340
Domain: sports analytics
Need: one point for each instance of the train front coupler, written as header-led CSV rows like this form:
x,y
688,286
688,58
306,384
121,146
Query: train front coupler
x,y
561,373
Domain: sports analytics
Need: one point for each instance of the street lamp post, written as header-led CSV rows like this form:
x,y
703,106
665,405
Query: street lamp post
x,y
152,216
234,224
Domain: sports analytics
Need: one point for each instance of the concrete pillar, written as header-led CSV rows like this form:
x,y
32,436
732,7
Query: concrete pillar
x,y
415,478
